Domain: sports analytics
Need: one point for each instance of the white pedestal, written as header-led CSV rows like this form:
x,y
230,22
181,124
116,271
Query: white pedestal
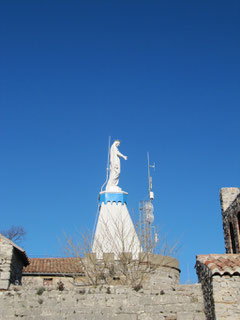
x,y
115,231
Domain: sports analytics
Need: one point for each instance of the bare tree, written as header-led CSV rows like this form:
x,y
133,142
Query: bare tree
x,y
123,262
15,233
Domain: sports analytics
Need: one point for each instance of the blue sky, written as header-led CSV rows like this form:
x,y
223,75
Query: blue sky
x,y
161,76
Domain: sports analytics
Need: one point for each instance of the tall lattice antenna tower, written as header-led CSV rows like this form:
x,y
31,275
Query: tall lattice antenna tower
x,y
146,216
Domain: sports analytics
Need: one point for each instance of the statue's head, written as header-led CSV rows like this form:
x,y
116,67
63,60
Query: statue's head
x,y
117,142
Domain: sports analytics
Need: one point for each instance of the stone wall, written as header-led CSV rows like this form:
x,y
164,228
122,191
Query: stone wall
x,y
152,268
6,252
161,276
50,281
230,205
12,259
221,294
205,278
160,296
227,196
226,294
178,302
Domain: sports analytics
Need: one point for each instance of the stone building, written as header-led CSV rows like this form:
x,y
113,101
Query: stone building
x,y
160,296
51,272
75,271
12,260
219,274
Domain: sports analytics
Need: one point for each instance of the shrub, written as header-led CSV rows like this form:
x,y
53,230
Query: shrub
x,y
40,291
137,287
60,286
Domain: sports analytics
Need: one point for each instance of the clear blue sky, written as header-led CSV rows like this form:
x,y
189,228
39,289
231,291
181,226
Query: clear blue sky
x,y
162,76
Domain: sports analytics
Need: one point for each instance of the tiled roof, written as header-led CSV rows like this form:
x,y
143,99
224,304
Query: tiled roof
x,y
20,251
53,266
221,263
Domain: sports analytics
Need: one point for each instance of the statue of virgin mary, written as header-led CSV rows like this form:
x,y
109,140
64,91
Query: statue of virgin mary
x,y
115,168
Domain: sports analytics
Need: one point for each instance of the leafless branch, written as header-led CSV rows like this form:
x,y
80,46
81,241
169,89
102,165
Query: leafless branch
x,y
121,260
15,233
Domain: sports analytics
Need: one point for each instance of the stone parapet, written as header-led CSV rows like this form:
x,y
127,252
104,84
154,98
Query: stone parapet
x,y
103,302
164,261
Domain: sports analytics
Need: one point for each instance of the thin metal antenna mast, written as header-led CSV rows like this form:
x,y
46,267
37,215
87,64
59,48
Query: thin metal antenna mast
x,y
108,162
146,215
151,195
149,177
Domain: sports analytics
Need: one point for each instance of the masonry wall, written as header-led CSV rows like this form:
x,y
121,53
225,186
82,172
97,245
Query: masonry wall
x,y
50,281
6,252
226,294
230,205
11,265
163,277
179,302
161,297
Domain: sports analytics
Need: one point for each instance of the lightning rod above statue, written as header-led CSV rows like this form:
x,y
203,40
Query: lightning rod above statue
x,y
115,167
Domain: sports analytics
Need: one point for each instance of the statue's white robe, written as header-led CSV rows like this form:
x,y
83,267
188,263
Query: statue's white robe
x,y
114,167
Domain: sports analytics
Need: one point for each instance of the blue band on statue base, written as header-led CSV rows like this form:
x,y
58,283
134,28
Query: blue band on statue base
x,y
113,197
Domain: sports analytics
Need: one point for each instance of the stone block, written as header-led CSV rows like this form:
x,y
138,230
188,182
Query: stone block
x,y
227,196
21,311
108,257
4,284
155,309
164,261
150,316
185,316
199,316
171,317
4,275
125,316
132,309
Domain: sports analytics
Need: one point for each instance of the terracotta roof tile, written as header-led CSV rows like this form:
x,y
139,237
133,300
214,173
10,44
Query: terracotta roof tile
x,y
53,266
221,263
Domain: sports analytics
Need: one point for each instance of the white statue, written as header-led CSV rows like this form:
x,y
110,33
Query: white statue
x,y
114,167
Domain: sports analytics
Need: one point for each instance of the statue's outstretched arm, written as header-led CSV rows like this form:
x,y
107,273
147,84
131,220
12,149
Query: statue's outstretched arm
x,y
121,155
